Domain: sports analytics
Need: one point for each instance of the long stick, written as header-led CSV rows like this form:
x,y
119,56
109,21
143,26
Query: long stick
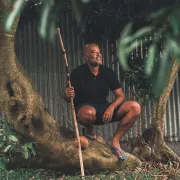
x,y
72,104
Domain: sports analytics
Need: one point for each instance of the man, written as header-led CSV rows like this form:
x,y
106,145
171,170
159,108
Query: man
x,y
90,87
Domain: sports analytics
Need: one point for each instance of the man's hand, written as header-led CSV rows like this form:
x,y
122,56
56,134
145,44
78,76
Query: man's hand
x,y
107,116
70,92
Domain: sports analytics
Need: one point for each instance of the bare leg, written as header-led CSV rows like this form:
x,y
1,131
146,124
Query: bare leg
x,y
130,111
86,117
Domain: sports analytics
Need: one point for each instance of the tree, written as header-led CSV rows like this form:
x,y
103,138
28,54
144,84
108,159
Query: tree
x,y
25,110
163,28
24,107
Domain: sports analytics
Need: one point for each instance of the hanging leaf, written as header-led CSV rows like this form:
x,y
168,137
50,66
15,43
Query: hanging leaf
x,y
142,32
150,59
157,14
174,47
175,24
131,47
7,148
45,18
77,7
123,41
11,18
126,40
161,78
127,30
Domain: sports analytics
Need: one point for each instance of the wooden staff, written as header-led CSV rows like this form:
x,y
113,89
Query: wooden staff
x,y
72,104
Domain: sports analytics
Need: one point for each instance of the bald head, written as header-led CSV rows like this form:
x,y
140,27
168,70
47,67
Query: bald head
x,y
92,54
88,48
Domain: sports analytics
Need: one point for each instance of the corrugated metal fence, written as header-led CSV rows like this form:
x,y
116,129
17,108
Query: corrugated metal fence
x,y
44,63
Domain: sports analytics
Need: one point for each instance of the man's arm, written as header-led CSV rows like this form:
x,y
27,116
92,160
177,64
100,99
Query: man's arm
x,y
119,98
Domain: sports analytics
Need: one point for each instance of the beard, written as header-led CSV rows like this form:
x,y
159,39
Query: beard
x,y
94,63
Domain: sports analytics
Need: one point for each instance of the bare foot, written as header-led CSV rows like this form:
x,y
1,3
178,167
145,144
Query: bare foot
x,y
115,144
117,149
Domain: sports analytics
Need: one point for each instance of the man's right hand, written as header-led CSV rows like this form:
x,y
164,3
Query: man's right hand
x,y
70,92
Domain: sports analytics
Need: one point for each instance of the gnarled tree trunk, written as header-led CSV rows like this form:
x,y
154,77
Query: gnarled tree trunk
x,y
25,110
152,143
161,151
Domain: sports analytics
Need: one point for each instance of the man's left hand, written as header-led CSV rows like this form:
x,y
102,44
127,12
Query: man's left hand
x,y
107,116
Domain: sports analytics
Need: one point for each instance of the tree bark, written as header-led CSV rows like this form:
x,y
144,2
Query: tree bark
x,y
151,145
161,151
25,110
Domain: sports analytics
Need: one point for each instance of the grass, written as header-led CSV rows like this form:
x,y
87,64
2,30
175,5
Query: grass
x,y
149,171
24,174
29,174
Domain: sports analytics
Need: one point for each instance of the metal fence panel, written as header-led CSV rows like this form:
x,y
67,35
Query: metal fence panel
x,y
44,64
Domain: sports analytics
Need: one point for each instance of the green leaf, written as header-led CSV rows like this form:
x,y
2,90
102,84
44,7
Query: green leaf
x,y
1,145
44,18
132,46
2,164
31,147
12,138
162,76
52,29
126,40
85,1
150,59
174,22
127,30
173,46
157,14
17,8
7,148
25,152
78,9
123,41
122,57
142,32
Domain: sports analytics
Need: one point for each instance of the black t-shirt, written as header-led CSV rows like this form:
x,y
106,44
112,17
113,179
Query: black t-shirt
x,y
90,88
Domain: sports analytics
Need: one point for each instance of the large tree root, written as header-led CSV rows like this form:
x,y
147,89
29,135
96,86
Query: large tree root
x,y
151,146
98,157
164,153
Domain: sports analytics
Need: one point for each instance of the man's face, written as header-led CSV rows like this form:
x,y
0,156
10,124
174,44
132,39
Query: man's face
x,y
93,56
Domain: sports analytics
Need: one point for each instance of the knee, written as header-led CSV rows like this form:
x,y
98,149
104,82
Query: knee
x,y
136,108
87,115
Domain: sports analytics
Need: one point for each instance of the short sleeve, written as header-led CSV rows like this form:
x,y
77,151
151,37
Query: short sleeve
x,y
113,80
73,79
